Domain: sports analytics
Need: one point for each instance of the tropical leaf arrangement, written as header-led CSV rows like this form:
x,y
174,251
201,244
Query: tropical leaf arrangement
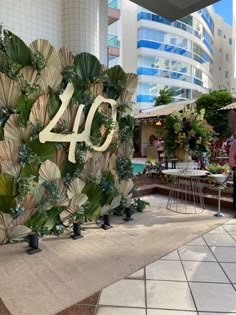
x,y
40,189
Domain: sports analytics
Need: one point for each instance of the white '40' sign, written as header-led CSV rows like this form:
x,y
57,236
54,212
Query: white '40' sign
x,y
46,135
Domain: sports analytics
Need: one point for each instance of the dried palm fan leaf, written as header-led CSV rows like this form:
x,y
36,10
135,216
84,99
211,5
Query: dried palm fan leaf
x,y
125,149
30,75
103,161
29,204
90,170
112,164
132,82
66,57
9,151
131,86
50,77
75,188
39,111
114,204
125,187
9,230
68,117
13,131
66,215
9,92
125,97
60,157
11,168
48,51
78,200
24,216
48,171
37,192
96,89
63,199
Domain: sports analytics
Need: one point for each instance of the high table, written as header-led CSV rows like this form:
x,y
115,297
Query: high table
x,y
185,191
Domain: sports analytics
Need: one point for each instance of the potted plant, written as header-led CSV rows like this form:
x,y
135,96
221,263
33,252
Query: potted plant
x,y
218,173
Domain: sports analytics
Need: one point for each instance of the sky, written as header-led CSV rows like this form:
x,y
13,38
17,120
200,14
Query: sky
x,y
224,8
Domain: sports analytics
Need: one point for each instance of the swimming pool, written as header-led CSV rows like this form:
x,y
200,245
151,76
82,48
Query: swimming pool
x,y
138,168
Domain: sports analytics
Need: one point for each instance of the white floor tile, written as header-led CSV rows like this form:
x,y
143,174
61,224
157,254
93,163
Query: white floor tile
x,y
214,297
219,240
198,241
124,293
203,271
172,256
224,254
165,270
204,313
106,310
169,295
233,221
197,253
218,230
169,312
137,275
230,228
230,270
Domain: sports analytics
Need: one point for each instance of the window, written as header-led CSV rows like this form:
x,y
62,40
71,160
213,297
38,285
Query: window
x,y
219,68
227,57
224,36
219,32
220,50
226,74
230,41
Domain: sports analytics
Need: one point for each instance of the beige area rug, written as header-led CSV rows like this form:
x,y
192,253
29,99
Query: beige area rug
x,y
68,271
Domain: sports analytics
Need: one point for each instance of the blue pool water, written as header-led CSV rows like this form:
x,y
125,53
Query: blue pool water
x,y
138,168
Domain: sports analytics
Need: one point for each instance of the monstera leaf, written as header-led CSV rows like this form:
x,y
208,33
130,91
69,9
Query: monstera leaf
x,y
87,68
9,92
16,49
45,151
48,171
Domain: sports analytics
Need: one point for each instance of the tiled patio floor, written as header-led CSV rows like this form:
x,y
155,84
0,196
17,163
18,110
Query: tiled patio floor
x,y
198,278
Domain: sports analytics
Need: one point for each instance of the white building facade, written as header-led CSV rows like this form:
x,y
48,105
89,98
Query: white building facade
x,y
189,55
80,25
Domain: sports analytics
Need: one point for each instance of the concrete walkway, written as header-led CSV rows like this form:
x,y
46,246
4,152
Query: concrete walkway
x,y
67,271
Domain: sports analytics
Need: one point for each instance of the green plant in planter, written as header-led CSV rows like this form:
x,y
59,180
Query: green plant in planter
x,y
219,169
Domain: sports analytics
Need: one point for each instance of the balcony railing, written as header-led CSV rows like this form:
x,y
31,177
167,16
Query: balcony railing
x,y
113,41
113,4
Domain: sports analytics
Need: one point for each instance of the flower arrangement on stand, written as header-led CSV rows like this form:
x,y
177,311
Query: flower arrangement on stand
x,y
187,134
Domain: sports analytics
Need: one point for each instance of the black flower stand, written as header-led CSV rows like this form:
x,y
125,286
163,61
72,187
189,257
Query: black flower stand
x,y
128,214
33,244
77,231
106,222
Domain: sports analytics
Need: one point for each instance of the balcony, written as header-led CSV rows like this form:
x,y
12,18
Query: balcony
x,y
113,11
113,46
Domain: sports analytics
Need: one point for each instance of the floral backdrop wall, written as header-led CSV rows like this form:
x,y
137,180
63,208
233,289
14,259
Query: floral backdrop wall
x,y
40,189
